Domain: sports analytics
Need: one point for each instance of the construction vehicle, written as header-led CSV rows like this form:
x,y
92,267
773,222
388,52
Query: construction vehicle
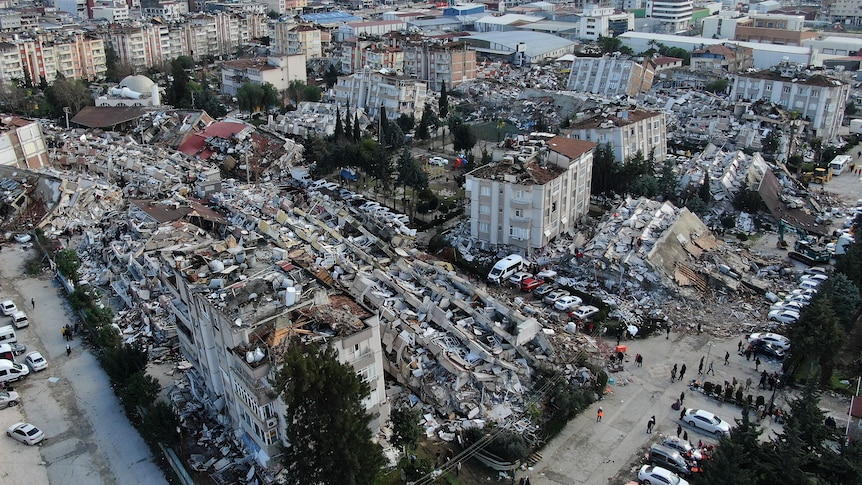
x,y
805,250
822,175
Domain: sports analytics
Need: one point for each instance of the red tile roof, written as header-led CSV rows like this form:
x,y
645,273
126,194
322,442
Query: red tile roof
x,y
570,147
195,144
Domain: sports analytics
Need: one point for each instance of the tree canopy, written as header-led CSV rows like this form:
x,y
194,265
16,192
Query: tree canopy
x,y
253,97
328,434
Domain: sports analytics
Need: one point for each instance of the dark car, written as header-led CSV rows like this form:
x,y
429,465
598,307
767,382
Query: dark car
x,y
767,349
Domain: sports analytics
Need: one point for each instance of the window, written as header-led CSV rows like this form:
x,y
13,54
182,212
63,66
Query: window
x,y
485,191
519,194
368,374
520,233
553,207
815,93
768,87
484,227
519,212
484,209
786,89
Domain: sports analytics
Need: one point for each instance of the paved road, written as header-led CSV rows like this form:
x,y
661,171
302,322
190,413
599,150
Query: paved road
x,y
90,441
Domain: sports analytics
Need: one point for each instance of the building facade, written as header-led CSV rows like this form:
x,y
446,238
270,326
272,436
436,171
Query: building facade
x,y
371,90
819,100
74,55
674,14
627,131
279,71
292,39
730,58
526,202
22,144
611,76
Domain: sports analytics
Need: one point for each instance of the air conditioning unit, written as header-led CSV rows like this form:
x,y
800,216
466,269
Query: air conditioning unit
x,y
272,422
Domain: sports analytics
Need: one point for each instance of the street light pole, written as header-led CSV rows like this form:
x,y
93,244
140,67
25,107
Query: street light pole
x,y
708,352
67,110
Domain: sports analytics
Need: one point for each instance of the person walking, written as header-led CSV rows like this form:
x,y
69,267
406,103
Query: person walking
x,y
739,346
678,430
682,371
710,369
599,415
68,350
673,374
681,397
668,333
682,414
756,363
63,331
700,367
726,357
685,436
748,383
33,302
650,424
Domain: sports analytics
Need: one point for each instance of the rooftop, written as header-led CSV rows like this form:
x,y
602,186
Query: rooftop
x,y
537,43
570,147
526,173
618,118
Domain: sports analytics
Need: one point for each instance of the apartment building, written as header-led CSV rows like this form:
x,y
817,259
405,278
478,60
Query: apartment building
x,y
453,63
292,39
774,29
11,65
597,21
526,201
236,314
611,75
110,12
369,90
628,131
675,15
74,55
22,144
276,70
819,100
730,58
843,11
285,6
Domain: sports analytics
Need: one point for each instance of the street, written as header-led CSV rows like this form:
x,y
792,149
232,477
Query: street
x,y
89,440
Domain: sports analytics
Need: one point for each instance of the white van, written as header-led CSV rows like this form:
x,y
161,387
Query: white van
x,y
840,163
12,371
19,319
7,334
505,268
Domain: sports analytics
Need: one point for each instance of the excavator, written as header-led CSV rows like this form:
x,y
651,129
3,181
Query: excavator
x,y
805,249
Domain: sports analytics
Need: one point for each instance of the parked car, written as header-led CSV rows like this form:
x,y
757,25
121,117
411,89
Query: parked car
x,y
8,307
547,274
584,312
788,305
18,348
784,316
775,339
683,447
543,290
816,270
8,399
767,349
530,284
809,285
518,277
567,303
555,295
25,433
36,362
650,475
438,161
23,238
814,277
705,420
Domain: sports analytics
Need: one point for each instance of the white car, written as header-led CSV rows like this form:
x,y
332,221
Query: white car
x,y
788,305
783,316
705,420
567,303
25,433
585,312
656,475
809,285
816,270
23,238
36,362
775,339
8,307
438,161
518,277
555,295
814,277
547,274
8,399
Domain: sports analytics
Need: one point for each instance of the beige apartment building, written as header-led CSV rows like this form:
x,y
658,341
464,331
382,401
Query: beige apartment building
x,y
276,70
292,39
526,201
369,90
626,130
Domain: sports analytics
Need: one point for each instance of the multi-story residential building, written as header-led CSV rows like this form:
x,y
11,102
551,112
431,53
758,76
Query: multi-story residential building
x,y
453,63
74,55
22,144
370,90
10,20
843,11
11,67
628,131
730,58
526,201
774,29
291,39
164,9
285,6
611,75
369,28
279,71
110,11
674,14
234,324
819,100
597,21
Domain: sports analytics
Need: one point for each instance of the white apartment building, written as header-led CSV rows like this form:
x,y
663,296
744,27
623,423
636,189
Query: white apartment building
x,y
279,71
610,75
843,11
627,131
11,66
674,14
111,13
291,39
596,22
526,204
819,100
369,90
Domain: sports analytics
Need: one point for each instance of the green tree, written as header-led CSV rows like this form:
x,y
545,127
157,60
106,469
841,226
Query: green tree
x,y
177,93
406,122
159,423
254,97
424,129
122,362
463,137
609,45
298,91
69,92
406,429
357,130
410,174
844,299
668,181
69,263
815,336
747,200
140,389
739,458
443,102
645,186
330,76
603,169
771,141
718,86
339,126
328,423
348,124
796,452
703,192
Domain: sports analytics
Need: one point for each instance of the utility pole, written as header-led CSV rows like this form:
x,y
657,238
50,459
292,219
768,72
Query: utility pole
x,y
67,110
